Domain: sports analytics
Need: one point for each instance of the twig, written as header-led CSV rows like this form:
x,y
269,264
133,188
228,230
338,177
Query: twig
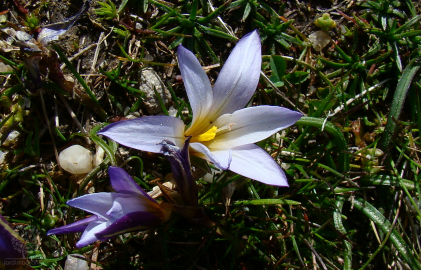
x,y
382,244
374,87
279,92
226,27
74,118
48,124
78,54
101,39
98,47
315,253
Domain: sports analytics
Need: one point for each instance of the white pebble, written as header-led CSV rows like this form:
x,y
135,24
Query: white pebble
x,y
99,155
76,160
12,138
319,39
75,263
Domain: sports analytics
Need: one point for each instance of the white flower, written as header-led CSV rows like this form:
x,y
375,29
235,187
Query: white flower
x,y
222,130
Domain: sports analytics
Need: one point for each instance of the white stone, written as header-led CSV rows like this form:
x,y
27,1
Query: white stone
x,y
172,111
99,156
3,156
210,176
12,138
150,80
76,160
319,39
156,190
75,263
5,68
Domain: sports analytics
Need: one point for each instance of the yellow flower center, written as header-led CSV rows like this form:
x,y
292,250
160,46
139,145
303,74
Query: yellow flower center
x,y
207,136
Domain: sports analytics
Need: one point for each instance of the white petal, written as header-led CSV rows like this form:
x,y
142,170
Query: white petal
x,y
53,31
221,158
97,203
197,86
239,77
253,162
250,125
88,236
146,133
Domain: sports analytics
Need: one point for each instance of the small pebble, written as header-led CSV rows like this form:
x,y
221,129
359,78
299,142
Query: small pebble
x,y
99,156
12,138
319,39
76,160
74,263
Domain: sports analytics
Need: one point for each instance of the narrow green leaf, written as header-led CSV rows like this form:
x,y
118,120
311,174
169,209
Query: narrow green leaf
x,y
267,202
88,90
334,64
386,180
5,119
161,6
407,24
411,7
160,101
193,11
416,105
337,221
215,13
278,66
215,33
205,45
7,61
106,148
335,132
12,90
122,6
297,77
397,103
381,221
396,55
346,57
246,13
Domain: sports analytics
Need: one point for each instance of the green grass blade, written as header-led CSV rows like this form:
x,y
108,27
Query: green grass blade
x,y
381,221
267,202
397,103
335,132
106,148
88,90
337,220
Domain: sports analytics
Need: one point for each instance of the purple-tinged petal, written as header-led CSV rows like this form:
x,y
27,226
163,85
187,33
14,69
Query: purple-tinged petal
x,y
253,162
12,247
181,170
97,203
250,125
122,182
88,236
221,158
124,205
78,226
54,31
146,133
238,78
130,222
197,86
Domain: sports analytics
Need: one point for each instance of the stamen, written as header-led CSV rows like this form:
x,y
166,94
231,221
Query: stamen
x,y
207,136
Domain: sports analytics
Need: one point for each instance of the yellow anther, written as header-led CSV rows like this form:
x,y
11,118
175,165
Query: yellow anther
x,y
207,136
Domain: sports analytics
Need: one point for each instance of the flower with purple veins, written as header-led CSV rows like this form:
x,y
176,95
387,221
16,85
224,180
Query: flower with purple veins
x,y
128,209
223,131
12,247
181,170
